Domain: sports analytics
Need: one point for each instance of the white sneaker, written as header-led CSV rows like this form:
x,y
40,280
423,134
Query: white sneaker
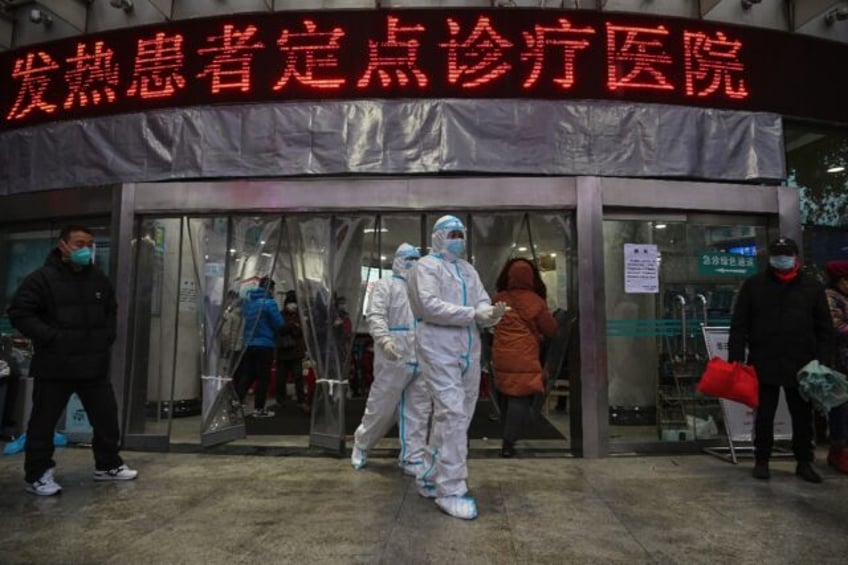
x,y
122,473
357,458
45,486
463,507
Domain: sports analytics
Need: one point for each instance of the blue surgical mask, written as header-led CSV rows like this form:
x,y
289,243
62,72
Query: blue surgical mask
x,y
81,256
455,247
408,264
782,262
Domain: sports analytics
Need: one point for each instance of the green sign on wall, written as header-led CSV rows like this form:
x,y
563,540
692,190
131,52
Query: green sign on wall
x,y
714,263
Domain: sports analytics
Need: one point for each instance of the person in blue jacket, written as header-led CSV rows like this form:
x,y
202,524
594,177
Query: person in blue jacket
x,y
262,319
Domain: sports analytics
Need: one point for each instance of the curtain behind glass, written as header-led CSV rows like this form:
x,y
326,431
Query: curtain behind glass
x,y
327,257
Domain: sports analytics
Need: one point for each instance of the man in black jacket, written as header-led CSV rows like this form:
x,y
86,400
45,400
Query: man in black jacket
x,y
781,316
67,308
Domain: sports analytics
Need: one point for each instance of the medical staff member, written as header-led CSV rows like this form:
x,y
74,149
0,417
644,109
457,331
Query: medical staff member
x,y
397,387
448,300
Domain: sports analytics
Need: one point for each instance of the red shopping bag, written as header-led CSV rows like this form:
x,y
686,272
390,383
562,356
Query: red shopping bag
x,y
732,381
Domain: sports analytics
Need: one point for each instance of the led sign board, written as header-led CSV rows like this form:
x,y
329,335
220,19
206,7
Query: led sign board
x,y
504,53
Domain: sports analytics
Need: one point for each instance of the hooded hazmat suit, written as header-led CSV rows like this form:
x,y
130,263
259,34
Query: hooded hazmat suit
x,y
446,296
397,387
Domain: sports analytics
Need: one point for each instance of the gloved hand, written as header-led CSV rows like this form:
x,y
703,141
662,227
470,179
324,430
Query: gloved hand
x,y
488,316
389,348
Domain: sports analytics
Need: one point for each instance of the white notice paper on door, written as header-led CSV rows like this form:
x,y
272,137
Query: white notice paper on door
x,y
641,271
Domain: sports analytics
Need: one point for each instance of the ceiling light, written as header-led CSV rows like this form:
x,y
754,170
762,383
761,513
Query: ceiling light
x,y
522,248
836,169
746,4
660,226
40,17
372,230
553,255
125,5
383,257
840,14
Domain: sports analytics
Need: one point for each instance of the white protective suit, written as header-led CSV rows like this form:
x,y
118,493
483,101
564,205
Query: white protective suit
x,y
397,387
445,292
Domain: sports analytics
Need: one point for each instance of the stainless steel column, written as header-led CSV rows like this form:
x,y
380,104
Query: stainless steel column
x,y
592,321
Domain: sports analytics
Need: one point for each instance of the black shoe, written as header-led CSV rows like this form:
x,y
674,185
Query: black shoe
x,y
507,450
761,471
805,471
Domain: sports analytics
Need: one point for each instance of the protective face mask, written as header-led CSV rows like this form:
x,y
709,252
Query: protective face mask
x,y
782,262
455,247
291,307
81,256
408,264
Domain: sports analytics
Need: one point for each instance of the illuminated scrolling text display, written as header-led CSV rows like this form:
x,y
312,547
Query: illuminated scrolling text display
x,y
405,54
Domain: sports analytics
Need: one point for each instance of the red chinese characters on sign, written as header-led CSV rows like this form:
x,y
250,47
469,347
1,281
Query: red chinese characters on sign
x,y
480,58
93,76
636,58
33,72
231,56
395,56
569,39
712,63
308,53
158,66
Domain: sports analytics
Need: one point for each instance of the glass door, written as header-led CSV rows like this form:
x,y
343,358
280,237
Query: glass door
x,y
665,278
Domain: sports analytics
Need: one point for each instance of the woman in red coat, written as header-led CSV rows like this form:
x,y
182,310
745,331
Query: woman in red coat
x,y
515,351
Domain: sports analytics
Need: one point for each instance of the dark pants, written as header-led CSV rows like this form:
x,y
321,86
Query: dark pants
x,y
515,411
295,366
802,423
49,399
838,422
256,366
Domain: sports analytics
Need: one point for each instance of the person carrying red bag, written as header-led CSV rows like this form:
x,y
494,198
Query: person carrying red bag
x,y
781,316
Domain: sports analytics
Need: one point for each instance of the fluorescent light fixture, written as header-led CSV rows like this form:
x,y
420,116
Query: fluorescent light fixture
x,y
837,169
262,242
383,257
553,255
661,226
266,254
372,230
522,248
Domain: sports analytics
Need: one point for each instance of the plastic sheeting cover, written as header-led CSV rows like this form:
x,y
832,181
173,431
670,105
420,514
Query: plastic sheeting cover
x,y
535,137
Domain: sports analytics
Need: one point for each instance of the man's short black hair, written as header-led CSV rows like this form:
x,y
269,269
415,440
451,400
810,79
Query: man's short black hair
x,y
66,232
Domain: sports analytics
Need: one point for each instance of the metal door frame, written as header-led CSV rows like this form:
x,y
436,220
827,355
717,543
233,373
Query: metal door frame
x,y
589,197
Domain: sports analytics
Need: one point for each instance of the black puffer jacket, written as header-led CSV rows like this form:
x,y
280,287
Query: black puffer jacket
x,y
70,317
784,325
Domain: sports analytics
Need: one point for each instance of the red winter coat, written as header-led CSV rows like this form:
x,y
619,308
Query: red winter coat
x,y
515,351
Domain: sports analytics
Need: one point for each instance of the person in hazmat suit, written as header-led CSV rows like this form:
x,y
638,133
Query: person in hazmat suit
x,y
450,304
397,388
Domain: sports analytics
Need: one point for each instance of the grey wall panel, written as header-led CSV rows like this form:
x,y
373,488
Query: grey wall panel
x,y
396,137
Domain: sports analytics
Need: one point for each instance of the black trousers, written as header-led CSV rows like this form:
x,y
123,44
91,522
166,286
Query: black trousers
x,y
49,399
801,413
515,411
295,367
256,366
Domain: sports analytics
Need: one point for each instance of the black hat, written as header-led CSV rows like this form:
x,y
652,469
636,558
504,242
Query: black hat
x,y
290,297
783,246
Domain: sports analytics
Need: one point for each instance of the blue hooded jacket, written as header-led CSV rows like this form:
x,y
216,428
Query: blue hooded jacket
x,y
262,319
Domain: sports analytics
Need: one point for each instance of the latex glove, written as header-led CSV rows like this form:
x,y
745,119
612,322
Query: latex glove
x,y
389,348
488,316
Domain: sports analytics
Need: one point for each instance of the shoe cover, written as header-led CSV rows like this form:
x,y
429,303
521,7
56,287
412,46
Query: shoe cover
x,y
15,446
357,458
60,440
426,489
463,507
